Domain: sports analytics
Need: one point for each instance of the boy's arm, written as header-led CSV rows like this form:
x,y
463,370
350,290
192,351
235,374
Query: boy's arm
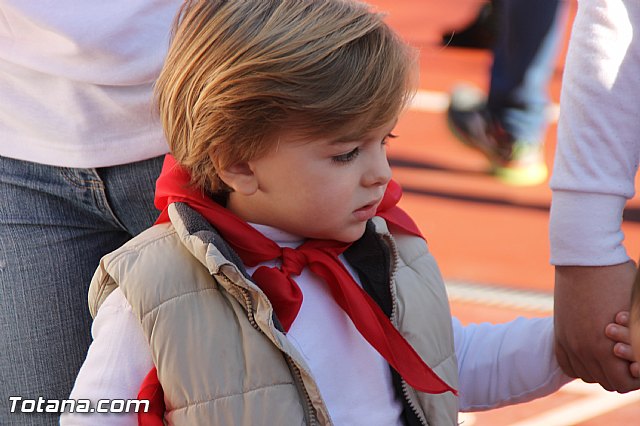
x,y
117,361
504,364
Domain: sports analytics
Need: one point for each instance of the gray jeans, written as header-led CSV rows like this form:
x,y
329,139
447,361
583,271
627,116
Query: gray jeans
x,y
55,225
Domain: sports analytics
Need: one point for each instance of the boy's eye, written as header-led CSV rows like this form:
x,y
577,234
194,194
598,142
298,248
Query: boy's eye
x,y
351,155
345,158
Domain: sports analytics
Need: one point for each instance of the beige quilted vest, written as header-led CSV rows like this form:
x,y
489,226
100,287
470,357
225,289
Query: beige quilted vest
x,y
221,360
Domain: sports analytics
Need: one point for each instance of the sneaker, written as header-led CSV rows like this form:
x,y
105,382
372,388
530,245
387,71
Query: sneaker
x,y
525,165
513,162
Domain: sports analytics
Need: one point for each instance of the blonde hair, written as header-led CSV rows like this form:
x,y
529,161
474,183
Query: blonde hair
x,y
238,71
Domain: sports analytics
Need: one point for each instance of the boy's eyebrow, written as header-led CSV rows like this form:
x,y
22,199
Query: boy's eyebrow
x,y
355,136
346,139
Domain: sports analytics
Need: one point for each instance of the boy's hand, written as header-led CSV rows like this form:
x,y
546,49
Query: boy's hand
x,y
619,333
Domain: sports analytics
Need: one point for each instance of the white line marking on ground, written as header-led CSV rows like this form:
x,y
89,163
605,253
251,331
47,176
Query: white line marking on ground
x,y
598,403
578,387
595,402
438,102
467,419
499,296
429,101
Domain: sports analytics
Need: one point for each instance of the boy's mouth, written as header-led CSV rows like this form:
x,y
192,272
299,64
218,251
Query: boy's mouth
x,y
368,211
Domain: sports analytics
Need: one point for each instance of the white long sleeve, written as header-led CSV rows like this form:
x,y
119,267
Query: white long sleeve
x,y
504,364
598,135
117,362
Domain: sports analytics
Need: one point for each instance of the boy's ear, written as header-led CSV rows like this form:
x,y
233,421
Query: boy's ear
x,y
240,178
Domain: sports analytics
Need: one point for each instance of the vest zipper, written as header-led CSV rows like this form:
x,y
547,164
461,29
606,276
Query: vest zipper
x,y
248,303
394,320
308,406
249,307
242,294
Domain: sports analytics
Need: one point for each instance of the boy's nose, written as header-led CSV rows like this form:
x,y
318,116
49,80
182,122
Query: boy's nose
x,y
380,171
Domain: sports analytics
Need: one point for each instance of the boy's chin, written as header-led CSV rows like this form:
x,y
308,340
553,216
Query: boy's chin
x,y
347,235
351,236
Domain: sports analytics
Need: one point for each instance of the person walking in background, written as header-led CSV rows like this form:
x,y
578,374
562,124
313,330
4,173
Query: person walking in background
x,y
593,177
508,126
80,149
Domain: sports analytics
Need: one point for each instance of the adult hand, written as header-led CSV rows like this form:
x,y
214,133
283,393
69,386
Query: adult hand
x,y
587,298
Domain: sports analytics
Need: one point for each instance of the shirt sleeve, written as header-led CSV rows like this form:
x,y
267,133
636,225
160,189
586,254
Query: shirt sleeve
x,y
117,362
598,135
504,364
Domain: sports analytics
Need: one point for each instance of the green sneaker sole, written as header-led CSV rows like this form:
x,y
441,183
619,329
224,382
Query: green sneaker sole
x,y
524,176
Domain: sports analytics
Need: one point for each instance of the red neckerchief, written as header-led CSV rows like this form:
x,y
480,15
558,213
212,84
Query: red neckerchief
x,y
321,257
151,391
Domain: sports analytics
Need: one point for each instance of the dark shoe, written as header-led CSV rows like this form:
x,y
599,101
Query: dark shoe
x,y
479,34
514,162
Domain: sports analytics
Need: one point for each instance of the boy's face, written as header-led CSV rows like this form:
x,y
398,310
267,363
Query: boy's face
x,y
321,188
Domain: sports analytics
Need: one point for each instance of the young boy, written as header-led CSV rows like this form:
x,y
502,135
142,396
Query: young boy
x,y
282,285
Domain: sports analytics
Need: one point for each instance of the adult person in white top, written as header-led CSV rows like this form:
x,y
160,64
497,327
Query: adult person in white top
x,y
80,149
596,163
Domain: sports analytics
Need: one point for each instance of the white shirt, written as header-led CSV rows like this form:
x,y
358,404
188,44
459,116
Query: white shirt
x,y
498,364
598,135
76,80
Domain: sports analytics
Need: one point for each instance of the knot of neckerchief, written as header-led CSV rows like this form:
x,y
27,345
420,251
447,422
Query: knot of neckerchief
x,y
321,257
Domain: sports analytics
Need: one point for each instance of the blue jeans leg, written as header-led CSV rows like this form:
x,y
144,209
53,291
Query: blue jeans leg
x,y
523,63
55,225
